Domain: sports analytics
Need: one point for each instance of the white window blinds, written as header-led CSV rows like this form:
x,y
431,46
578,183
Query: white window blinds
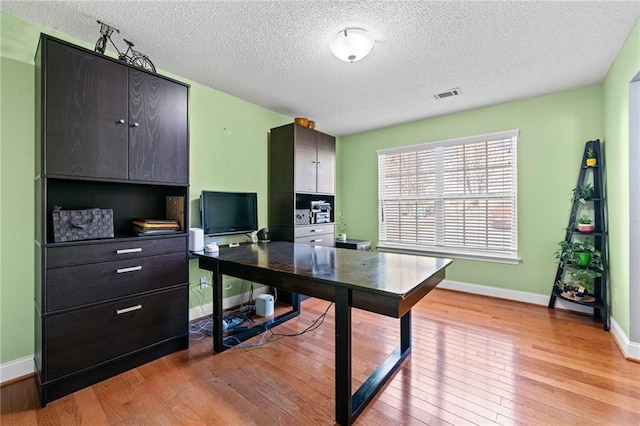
x,y
456,197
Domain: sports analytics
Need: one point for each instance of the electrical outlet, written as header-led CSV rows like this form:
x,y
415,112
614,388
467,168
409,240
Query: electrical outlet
x,y
203,282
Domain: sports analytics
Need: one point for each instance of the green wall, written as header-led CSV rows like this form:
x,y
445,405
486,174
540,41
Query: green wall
x,y
16,203
228,151
553,131
228,140
616,121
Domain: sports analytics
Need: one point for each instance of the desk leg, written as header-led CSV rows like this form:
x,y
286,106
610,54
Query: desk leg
x,y
218,345
343,356
379,377
405,332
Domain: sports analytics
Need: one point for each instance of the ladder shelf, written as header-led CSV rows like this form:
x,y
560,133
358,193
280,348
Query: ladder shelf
x,y
575,271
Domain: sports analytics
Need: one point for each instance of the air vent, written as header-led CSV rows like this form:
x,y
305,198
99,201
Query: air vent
x,y
449,93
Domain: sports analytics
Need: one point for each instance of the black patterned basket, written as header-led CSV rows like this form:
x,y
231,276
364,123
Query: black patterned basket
x,y
74,225
303,216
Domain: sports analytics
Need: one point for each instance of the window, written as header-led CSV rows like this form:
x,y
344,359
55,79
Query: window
x,y
455,197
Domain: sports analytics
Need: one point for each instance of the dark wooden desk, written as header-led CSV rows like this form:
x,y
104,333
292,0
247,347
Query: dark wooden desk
x,y
384,283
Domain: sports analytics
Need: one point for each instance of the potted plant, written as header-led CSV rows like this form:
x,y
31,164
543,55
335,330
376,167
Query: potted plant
x,y
591,161
566,253
341,227
579,254
581,192
584,281
585,263
585,224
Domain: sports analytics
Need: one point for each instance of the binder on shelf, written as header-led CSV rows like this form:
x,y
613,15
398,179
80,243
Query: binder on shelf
x,y
155,226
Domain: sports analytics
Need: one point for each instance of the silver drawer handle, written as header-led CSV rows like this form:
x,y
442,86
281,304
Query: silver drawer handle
x,y
129,309
316,241
132,250
316,230
131,269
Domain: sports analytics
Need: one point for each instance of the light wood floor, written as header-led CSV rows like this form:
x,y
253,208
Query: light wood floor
x,y
475,360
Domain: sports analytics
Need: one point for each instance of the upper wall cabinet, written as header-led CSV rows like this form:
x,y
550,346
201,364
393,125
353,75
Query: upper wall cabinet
x,y
301,170
106,120
314,161
158,149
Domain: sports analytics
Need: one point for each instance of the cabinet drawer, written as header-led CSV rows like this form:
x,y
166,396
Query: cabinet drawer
x,y
318,240
83,338
311,230
92,253
82,284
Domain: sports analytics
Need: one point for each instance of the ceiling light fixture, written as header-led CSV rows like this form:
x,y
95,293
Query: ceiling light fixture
x,y
352,44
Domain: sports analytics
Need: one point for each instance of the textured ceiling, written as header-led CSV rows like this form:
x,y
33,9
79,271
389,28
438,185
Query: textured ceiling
x,y
276,53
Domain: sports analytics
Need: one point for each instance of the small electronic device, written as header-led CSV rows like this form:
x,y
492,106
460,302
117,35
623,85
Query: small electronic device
x,y
225,213
196,239
320,212
323,217
231,324
263,235
264,305
212,248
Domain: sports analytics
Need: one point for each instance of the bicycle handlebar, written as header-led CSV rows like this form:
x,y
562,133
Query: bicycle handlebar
x,y
106,25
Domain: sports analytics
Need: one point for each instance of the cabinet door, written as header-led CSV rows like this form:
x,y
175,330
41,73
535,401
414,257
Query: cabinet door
x,y
158,138
326,165
305,159
85,102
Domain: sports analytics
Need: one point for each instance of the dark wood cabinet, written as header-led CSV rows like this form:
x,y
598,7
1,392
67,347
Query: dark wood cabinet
x,y
326,164
314,161
157,129
85,99
304,146
114,137
301,170
105,120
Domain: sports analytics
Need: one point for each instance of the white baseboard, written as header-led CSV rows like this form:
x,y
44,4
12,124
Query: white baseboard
x,y
630,350
520,296
227,303
17,368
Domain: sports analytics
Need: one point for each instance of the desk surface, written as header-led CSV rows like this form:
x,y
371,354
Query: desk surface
x,y
391,274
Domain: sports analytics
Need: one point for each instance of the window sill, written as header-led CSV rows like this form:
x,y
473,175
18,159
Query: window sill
x,y
455,254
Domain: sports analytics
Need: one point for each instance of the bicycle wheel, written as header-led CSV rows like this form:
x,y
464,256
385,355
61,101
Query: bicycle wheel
x,y
100,45
141,61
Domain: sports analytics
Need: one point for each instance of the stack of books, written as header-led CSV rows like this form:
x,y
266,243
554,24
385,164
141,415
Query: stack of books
x,y
155,226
